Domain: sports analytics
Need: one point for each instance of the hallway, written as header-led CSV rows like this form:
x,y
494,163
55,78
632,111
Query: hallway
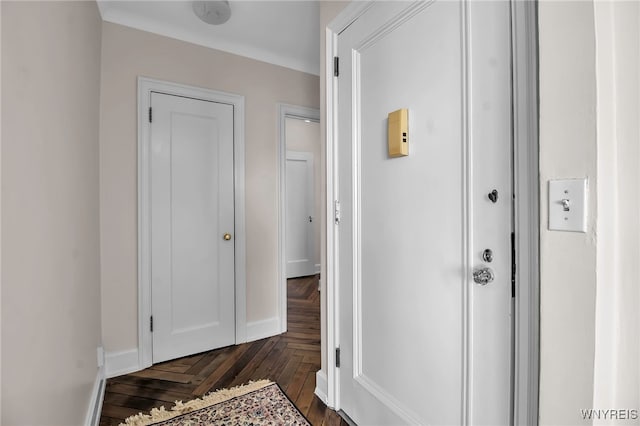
x,y
290,359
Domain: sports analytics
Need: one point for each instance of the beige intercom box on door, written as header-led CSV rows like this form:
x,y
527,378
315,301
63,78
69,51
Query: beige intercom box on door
x,y
399,133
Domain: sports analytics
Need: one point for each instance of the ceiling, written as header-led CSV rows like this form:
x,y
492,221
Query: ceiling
x,y
285,33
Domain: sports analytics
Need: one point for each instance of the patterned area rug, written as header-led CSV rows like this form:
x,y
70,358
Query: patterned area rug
x,y
256,403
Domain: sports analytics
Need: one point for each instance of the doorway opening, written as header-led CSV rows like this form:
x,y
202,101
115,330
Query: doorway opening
x,y
234,105
300,202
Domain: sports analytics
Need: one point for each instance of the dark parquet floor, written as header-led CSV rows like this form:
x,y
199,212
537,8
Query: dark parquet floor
x,y
290,359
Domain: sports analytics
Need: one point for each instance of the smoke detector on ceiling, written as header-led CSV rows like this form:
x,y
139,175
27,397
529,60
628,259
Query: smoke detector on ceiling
x,y
212,12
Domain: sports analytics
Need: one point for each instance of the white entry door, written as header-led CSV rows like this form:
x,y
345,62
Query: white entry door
x,y
192,225
299,215
420,341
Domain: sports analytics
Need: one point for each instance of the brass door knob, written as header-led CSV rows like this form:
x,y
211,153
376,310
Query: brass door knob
x,y
226,237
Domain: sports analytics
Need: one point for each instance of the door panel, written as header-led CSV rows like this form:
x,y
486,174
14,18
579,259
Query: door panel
x,y
490,148
299,229
191,208
420,342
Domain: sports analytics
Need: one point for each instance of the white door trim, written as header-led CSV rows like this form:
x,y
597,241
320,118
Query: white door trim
x,y
145,87
345,18
304,113
526,188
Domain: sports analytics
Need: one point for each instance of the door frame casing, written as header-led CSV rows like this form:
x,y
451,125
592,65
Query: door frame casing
x,y
301,113
524,45
526,205
145,87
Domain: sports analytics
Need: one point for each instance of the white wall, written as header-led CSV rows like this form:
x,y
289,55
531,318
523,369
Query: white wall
x,y
305,137
589,126
617,355
567,260
50,223
128,53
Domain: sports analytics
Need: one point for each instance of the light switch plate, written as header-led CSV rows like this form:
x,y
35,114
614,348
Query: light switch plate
x,y
568,205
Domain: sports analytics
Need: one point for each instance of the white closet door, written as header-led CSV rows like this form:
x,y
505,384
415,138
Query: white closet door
x,y
299,214
192,208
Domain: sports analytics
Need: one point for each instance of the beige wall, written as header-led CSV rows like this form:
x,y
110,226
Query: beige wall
x,y
305,137
128,53
50,223
0,216
567,260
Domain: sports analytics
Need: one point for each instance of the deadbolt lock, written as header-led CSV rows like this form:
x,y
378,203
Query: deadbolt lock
x,y
487,255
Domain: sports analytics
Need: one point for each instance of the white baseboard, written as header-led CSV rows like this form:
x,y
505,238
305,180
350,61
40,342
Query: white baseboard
x,y
317,268
321,386
257,330
123,362
92,417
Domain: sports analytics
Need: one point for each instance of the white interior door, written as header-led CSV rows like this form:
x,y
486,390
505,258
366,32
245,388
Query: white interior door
x,y
420,342
191,211
299,215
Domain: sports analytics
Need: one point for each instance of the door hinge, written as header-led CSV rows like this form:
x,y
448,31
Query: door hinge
x,y
513,264
336,66
151,324
337,357
336,216
150,115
